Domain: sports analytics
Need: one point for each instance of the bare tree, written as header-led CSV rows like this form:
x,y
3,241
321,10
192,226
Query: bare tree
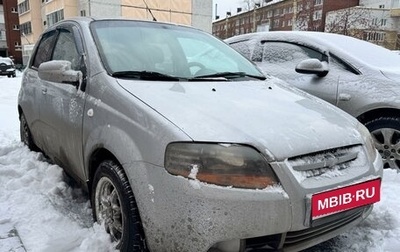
x,y
353,22
308,16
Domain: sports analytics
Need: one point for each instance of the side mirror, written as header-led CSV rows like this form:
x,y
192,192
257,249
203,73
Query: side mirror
x,y
313,66
59,71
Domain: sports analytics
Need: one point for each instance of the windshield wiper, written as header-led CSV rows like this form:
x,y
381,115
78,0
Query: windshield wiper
x,y
144,75
228,75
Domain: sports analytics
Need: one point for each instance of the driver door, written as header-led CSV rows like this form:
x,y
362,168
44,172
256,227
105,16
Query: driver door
x,y
280,60
61,111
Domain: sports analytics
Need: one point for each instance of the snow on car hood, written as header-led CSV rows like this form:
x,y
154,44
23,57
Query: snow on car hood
x,y
273,118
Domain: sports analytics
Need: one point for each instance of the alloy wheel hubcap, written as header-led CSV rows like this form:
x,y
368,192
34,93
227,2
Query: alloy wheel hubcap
x,y
108,208
387,142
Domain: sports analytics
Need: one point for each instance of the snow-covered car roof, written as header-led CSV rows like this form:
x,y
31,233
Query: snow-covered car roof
x,y
6,60
357,51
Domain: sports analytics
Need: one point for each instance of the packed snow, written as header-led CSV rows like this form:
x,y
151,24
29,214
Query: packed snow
x,y
42,210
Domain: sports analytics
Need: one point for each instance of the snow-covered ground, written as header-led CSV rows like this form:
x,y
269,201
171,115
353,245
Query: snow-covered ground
x,y
41,211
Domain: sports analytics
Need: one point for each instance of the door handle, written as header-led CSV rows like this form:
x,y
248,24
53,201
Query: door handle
x,y
44,91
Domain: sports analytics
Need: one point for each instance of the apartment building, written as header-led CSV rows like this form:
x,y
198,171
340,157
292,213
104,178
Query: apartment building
x,y
37,15
376,21
11,26
280,15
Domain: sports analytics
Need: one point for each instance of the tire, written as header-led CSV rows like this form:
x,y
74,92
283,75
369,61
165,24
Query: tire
x,y
25,134
386,134
114,206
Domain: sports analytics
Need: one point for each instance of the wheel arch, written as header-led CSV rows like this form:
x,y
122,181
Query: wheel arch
x,y
376,113
96,158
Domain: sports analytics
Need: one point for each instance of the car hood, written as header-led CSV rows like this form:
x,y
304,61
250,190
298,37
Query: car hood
x,y
279,121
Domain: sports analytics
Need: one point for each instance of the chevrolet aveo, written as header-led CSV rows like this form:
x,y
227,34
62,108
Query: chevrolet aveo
x,y
183,145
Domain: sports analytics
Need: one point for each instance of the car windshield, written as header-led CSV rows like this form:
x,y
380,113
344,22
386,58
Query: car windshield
x,y
157,50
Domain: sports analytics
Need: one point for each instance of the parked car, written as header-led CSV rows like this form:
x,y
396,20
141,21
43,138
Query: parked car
x,y
184,145
7,67
359,77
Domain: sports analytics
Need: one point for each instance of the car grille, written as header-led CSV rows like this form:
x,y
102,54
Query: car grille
x,y
293,240
4,67
334,160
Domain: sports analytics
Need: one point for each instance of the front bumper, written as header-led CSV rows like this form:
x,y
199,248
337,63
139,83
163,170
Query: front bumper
x,y
9,72
179,214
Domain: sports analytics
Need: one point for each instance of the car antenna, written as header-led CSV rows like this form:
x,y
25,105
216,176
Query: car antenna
x,y
151,13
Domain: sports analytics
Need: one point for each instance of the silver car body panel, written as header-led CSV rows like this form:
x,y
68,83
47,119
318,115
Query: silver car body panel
x,y
136,120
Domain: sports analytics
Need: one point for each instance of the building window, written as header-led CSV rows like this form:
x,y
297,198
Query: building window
x,y
317,2
376,36
25,28
382,6
83,13
269,14
14,10
54,17
318,15
300,7
383,22
283,23
23,7
289,22
15,27
46,1
3,35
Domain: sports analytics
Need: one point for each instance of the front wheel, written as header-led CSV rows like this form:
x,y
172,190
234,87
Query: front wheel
x,y
25,134
114,206
386,134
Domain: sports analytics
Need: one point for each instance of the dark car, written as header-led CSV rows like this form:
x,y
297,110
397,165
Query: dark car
x,y
7,67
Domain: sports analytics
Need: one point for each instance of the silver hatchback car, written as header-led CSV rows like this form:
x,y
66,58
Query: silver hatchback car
x,y
184,145
357,76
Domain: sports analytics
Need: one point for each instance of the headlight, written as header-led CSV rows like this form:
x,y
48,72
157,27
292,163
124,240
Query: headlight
x,y
220,164
369,143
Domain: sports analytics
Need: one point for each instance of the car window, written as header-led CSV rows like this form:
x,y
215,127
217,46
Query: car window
x,y
243,47
282,52
336,62
44,49
200,54
65,49
174,50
